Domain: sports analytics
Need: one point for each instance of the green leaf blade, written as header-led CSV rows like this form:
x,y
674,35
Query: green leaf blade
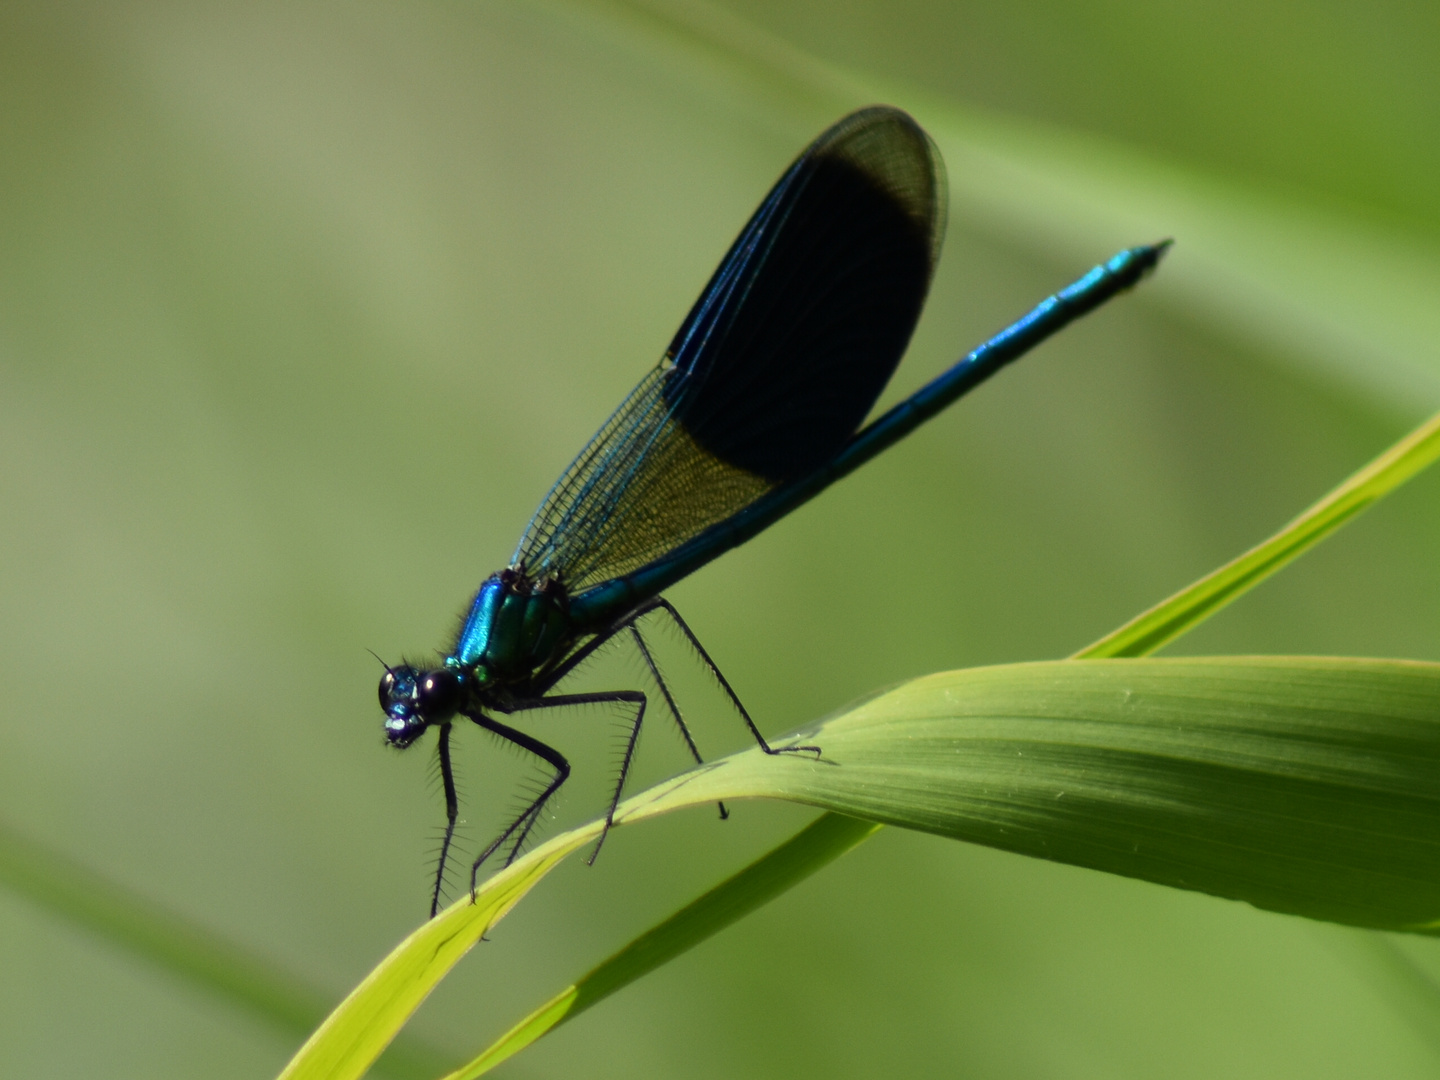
x,y
357,1032
817,845
1153,629
1303,785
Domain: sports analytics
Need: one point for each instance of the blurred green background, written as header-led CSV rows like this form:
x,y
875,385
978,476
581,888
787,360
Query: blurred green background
x,y
303,307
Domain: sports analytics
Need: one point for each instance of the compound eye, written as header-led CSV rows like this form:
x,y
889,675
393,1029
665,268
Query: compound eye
x,y
439,695
397,690
398,697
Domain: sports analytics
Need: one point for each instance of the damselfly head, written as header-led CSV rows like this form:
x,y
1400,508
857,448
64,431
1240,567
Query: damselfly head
x,y
413,700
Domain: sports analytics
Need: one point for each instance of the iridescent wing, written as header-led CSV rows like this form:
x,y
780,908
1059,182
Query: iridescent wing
x,y
775,367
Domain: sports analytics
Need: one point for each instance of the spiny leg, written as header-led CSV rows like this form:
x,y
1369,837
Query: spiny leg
x,y
670,704
661,604
527,819
636,698
452,812
606,697
584,652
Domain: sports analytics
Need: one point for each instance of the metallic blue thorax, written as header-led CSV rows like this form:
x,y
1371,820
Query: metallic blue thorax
x,y
513,629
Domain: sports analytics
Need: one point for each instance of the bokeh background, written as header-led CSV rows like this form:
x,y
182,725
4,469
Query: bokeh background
x,y
303,307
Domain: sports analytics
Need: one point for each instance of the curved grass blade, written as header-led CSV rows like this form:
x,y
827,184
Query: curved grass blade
x,y
362,1025
62,886
1338,296
354,1035
820,843
1153,629
1309,786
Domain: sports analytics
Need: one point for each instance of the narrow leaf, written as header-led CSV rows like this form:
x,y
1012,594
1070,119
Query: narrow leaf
x,y
1303,785
65,887
62,886
1163,623
356,1033
1339,296
817,845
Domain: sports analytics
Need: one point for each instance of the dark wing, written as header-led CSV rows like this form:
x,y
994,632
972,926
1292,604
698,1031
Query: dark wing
x,y
775,367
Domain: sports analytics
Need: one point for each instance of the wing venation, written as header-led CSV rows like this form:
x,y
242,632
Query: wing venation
x,y
775,367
